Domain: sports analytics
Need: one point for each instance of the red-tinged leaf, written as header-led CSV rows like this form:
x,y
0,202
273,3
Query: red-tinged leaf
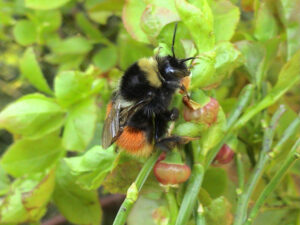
x,y
131,16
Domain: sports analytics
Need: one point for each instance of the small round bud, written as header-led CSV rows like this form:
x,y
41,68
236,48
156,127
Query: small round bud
x,y
206,114
171,173
225,155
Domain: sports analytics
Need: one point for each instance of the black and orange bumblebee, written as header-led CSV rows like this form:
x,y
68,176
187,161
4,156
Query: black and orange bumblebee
x,y
138,115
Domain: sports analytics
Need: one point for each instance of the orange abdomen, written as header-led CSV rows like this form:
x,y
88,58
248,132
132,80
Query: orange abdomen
x,y
134,142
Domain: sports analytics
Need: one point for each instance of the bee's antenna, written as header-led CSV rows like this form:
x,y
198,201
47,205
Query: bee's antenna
x,y
187,59
173,41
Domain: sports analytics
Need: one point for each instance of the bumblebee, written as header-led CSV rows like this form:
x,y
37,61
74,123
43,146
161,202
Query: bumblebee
x,y
138,115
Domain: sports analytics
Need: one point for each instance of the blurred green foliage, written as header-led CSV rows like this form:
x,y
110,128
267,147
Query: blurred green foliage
x,y
60,60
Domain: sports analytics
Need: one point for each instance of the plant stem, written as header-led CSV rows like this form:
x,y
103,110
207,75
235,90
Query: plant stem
x,y
200,219
191,194
243,101
134,189
240,172
291,158
243,201
172,203
146,170
285,137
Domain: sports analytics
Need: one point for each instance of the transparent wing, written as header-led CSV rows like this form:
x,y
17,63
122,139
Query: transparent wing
x,y
111,128
117,119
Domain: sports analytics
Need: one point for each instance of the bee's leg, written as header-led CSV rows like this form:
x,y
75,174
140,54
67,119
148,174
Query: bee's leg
x,y
171,115
175,84
183,89
160,126
161,122
168,143
174,114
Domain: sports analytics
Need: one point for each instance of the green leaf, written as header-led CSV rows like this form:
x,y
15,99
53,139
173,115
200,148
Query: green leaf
x,y
36,200
218,212
106,58
12,209
290,11
197,17
91,31
154,18
204,70
45,5
253,54
215,181
122,176
226,18
80,125
30,156
189,129
228,58
127,56
288,76
47,21
204,197
31,70
4,182
271,47
265,23
72,46
25,32
69,53
66,62
212,67
32,116
108,5
258,58
145,211
91,168
183,36
72,86
79,206
132,13
275,216
27,199
100,11
295,169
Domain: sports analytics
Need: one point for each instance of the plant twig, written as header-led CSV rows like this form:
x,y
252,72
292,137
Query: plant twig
x,y
291,158
191,194
286,135
134,189
242,102
200,218
243,201
240,172
172,204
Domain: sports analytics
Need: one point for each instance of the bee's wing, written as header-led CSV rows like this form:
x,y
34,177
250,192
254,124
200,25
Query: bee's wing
x,y
117,119
111,128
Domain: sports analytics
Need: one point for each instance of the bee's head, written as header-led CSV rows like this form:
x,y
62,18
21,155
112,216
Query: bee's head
x,y
172,68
